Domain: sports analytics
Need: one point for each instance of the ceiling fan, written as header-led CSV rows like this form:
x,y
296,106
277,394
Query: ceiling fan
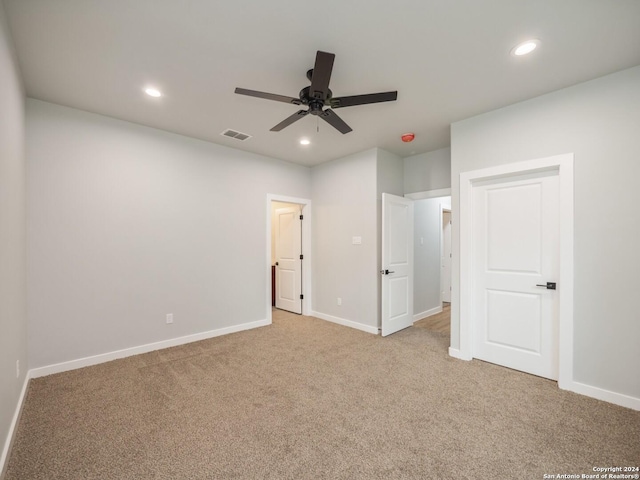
x,y
317,96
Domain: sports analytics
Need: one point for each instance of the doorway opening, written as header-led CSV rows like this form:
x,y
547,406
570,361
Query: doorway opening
x,y
288,254
446,255
432,260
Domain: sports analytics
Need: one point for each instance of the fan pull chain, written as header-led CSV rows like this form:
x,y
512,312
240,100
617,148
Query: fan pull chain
x,y
317,124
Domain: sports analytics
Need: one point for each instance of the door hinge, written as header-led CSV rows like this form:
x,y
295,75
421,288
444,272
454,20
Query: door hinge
x,y
301,216
301,297
301,257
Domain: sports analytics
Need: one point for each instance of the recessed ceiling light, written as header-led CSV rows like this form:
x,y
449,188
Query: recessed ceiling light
x,y
304,141
525,47
153,92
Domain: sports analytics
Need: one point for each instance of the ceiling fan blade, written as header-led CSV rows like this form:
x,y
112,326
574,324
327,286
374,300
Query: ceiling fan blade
x,y
289,120
335,121
321,75
268,96
363,99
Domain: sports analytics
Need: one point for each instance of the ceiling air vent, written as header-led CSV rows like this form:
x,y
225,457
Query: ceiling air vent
x,y
237,135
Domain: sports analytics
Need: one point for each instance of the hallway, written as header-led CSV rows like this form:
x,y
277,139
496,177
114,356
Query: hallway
x,y
440,322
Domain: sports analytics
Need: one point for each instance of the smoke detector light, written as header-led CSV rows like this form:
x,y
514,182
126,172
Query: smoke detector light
x,y
153,92
408,137
305,141
525,47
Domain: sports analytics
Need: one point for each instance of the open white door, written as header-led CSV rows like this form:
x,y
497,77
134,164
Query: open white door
x,y
516,264
288,262
397,263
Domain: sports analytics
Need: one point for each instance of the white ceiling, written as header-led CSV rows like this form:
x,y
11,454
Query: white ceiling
x,y
449,60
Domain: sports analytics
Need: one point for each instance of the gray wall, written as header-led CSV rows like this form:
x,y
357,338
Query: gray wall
x,y
599,122
426,258
128,223
428,171
13,322
344,206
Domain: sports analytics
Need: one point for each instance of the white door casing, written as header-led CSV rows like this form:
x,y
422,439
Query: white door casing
x,y
445,271
288,263
515,250
463,292
397,263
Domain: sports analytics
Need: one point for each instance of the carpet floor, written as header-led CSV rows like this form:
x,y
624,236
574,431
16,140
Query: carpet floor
x,y
307,399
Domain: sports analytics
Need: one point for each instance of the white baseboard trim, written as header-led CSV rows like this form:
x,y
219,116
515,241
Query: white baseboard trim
x,y
604,395
149,347
427,313
346,323
12,427
455,353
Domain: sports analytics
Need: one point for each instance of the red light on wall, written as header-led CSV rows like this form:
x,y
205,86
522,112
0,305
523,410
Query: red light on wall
x,y
408,137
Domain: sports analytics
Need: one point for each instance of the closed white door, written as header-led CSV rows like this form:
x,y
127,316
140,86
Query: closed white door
x,y
516,252
445,272
288,263
397,263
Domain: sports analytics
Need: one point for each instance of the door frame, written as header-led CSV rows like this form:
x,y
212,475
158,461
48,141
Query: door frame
x,y
306,252
563,164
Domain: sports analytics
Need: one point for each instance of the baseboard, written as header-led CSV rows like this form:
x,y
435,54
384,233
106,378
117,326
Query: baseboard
x,y
150,347
604,395
345,322
13,426
455,353
427,313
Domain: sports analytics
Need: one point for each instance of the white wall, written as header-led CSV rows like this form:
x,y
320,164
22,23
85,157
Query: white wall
x,y
599,122
128,223
13,321
428,171
426,258
344,206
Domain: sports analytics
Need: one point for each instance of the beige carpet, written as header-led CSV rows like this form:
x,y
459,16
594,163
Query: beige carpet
x,y
306,399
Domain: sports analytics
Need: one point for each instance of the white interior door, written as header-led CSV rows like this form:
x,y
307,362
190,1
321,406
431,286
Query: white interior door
x,y
445,274
516,249
397,263
288,262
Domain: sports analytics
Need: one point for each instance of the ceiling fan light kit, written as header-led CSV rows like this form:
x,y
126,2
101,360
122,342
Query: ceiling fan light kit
x,y
318,95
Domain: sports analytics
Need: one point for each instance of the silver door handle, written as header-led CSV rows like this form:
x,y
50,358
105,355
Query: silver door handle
x,y
386,272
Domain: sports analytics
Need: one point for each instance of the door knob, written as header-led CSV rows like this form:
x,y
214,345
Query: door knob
x,y
386,272
548,286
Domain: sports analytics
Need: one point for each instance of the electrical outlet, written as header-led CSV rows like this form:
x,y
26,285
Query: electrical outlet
x,y
169,317
17,368
339,301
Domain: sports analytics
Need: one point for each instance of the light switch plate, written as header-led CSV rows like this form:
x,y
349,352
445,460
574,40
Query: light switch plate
x,y
356,240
